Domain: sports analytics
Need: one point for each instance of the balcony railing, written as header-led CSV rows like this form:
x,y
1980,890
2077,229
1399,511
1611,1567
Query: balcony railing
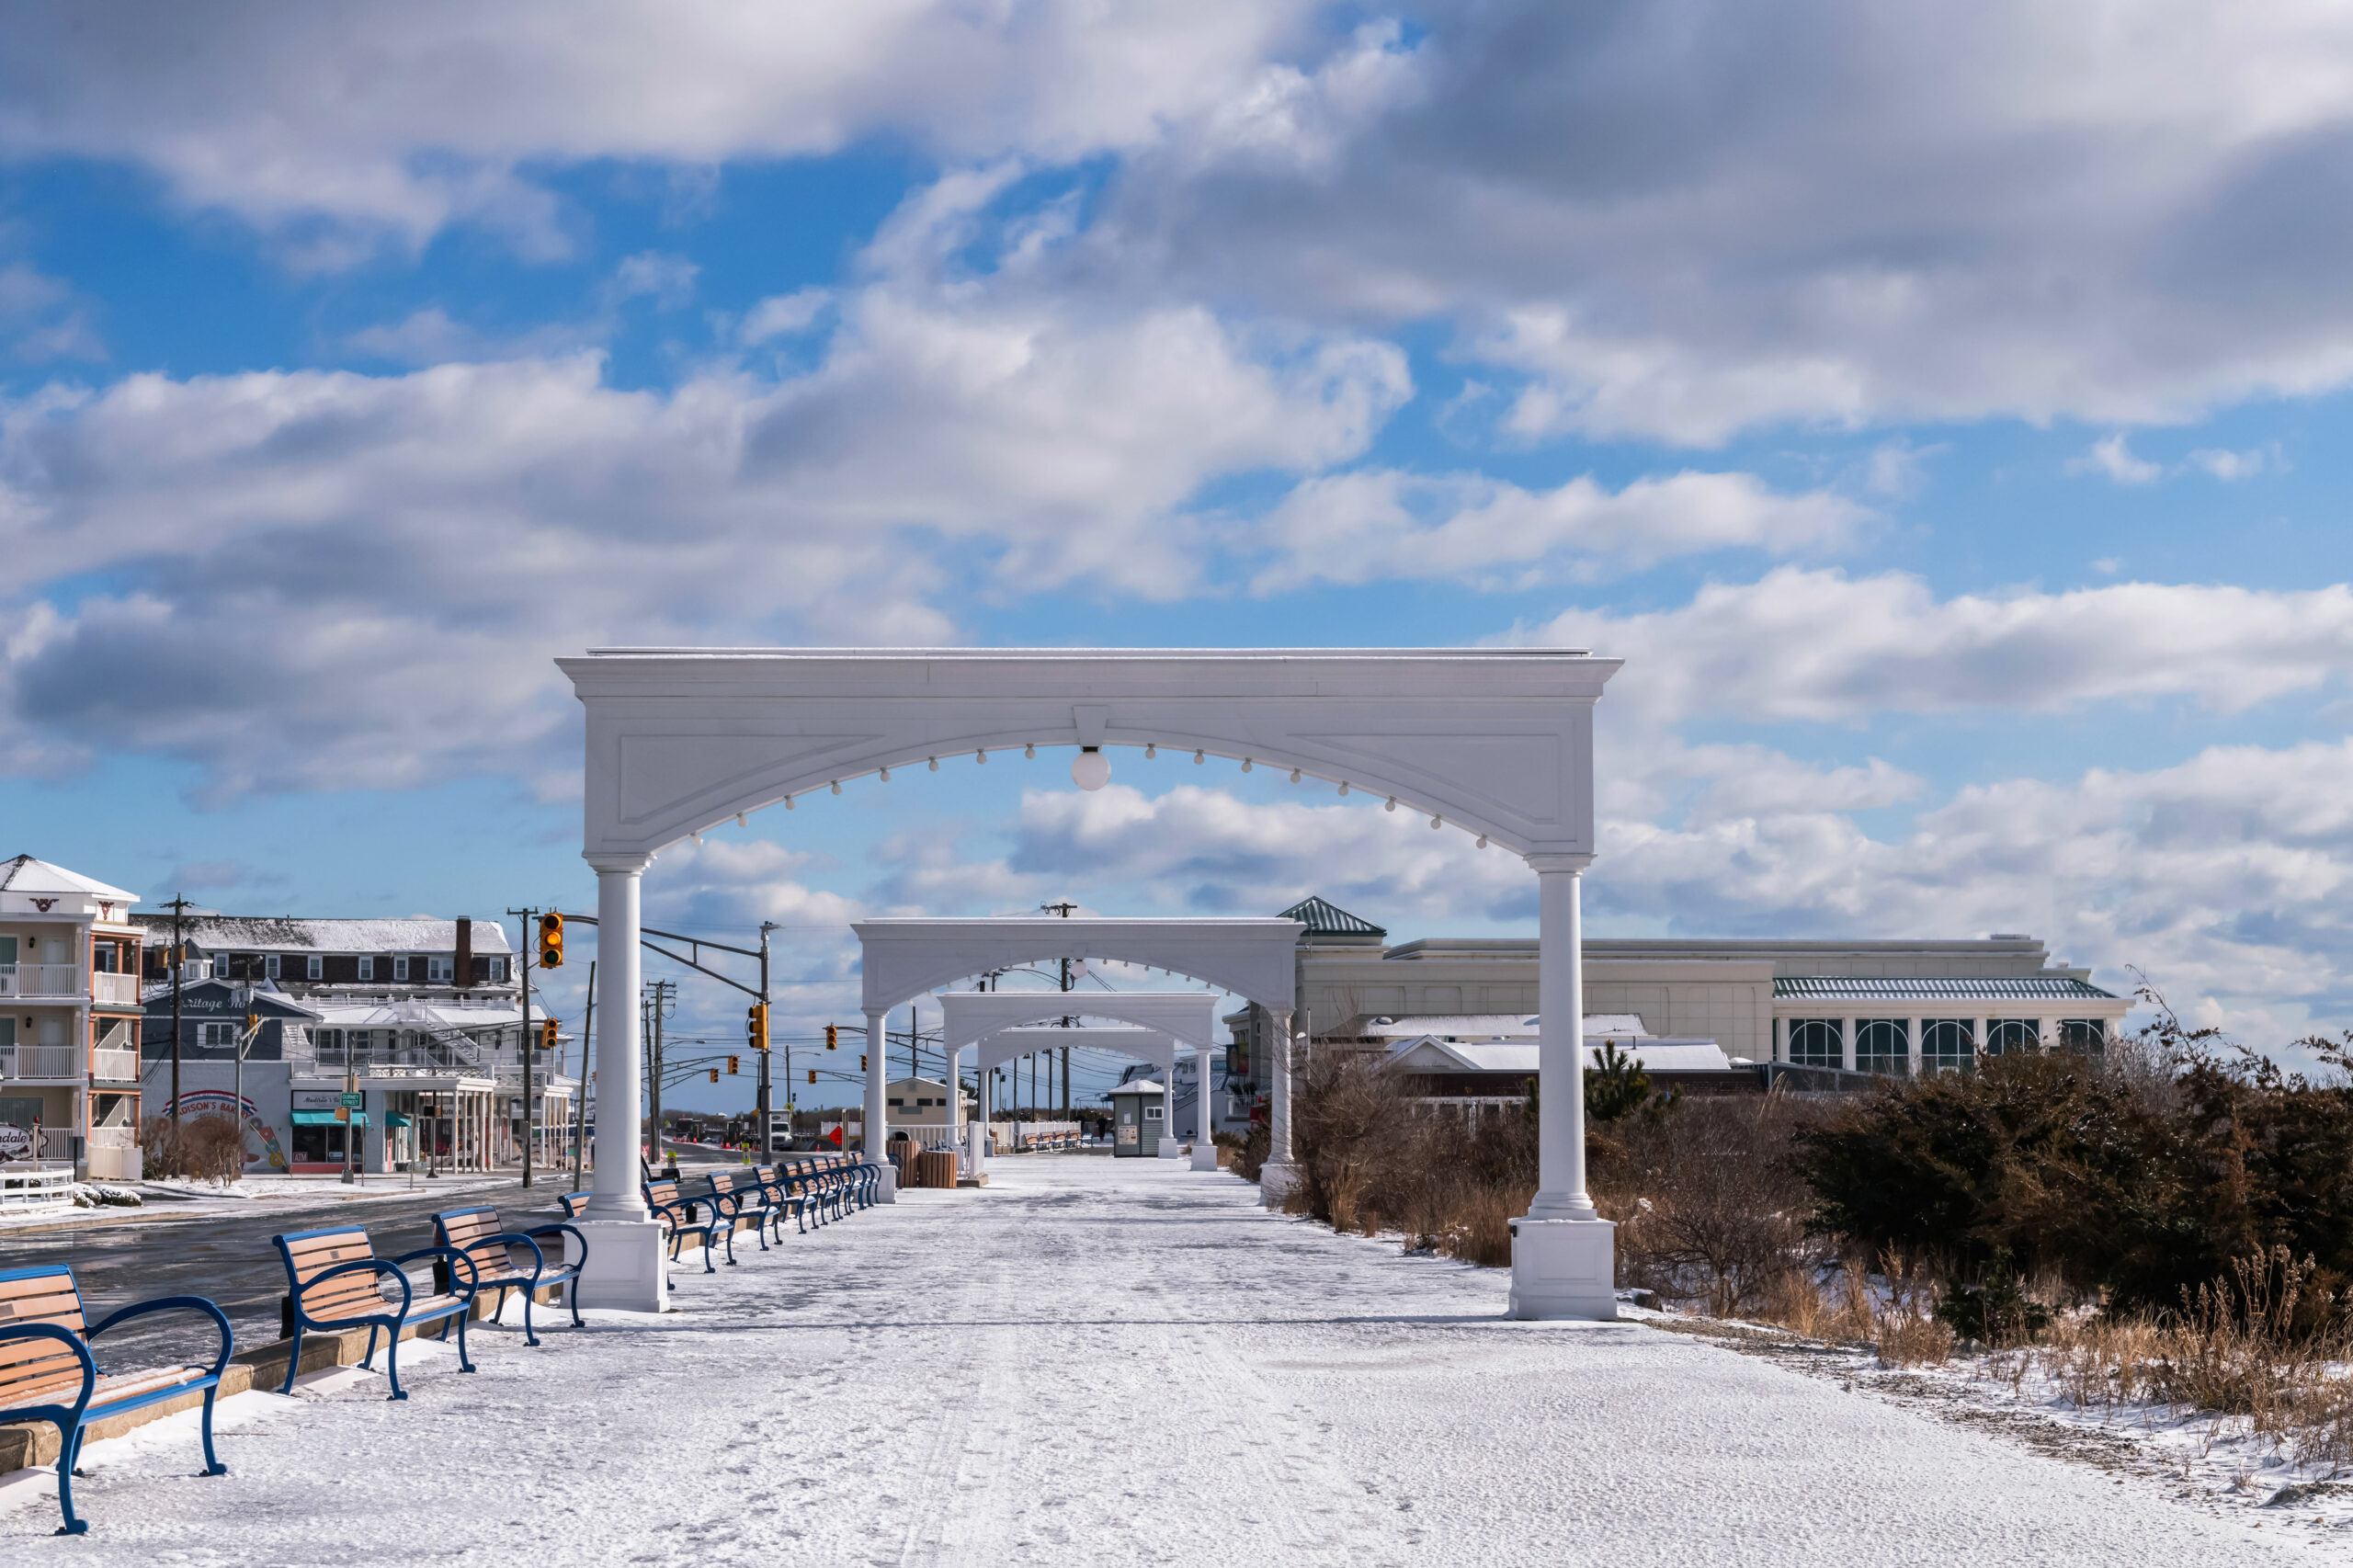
x,y
115,1066
45,980
49,1062
123,990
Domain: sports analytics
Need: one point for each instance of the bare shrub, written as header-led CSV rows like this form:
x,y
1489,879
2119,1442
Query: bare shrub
x,y
201,1148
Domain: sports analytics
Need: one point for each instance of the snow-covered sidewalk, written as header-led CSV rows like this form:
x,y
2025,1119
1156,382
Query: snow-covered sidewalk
x,y
1103,1360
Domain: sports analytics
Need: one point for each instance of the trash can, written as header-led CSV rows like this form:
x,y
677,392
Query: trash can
x,y
1139,1117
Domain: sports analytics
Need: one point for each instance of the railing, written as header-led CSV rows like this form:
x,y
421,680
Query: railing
x,y
115,1066
120,989
114,1152
45,980
26,1184
39,1061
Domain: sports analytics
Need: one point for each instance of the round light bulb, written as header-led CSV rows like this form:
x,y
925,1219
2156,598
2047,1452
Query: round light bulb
x,y
1090,769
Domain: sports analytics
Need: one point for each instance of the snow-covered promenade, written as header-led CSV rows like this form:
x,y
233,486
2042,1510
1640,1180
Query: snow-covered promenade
x,y
1098,1361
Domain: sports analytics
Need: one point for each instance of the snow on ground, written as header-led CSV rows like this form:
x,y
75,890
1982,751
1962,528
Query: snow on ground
x,y
165,1201
1101,1360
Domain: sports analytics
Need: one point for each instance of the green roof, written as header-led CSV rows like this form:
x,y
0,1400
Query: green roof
x,y
1324,919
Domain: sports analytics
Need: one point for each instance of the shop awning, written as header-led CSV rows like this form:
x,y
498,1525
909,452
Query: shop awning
x,y
396,1118
328,1118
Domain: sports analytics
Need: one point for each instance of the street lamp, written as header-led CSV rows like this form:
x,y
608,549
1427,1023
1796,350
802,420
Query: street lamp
x,y
1090,769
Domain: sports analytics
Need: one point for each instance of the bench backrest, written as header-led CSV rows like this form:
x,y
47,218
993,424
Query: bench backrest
x,y
312,1252
662,1194
576,1204
39,1371
470,1232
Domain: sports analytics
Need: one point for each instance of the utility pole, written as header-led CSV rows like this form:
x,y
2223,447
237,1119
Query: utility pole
x,y
763,1095
528,953
178,906
1064,908
658,1005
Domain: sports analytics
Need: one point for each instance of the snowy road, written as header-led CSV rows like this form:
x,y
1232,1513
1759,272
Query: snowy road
x,y
1103,1361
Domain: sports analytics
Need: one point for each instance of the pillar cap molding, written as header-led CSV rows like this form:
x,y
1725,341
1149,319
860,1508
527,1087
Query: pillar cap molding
x,y
1569,863
628,864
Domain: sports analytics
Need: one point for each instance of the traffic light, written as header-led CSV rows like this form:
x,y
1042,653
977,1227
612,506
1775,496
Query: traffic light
x,y
547,1034
861,1061
813,1076
551,940
833,1037
714,1074
731,1065
756,1025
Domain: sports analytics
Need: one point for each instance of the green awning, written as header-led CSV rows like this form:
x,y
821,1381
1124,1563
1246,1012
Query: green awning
x,y
328,1118
396,1118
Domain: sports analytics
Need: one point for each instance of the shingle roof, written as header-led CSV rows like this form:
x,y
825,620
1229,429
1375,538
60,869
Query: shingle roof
x,y
273,932
2019,988
1324,919
27,873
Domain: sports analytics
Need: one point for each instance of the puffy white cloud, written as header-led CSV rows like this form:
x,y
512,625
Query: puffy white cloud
x,y
314,579
2113,456
396,122
1680,221
1370,524
1821,645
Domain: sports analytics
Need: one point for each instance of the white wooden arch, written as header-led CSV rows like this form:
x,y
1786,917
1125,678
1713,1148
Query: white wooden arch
x,y
1496,742
1000,1045
967,1016
901,959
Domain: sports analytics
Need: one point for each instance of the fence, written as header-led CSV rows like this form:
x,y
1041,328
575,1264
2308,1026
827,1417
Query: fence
x,y
35,1184
47,980
50,1061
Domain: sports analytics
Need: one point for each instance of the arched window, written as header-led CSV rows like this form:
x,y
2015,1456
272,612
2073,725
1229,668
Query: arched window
x,y
1814,1042
2006,1035
1881,1047
1946,1046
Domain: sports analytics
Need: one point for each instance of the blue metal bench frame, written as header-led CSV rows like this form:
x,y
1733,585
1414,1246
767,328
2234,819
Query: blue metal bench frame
x,y
735,1202
73,1420
564,1274
391,1324
778,1185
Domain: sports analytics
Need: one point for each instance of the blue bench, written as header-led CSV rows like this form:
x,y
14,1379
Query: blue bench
x,y
663,1205
475,1232
740,1194
334,1281
63,1386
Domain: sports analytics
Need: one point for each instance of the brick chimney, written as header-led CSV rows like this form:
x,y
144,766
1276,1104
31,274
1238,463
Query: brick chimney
x,y
463,974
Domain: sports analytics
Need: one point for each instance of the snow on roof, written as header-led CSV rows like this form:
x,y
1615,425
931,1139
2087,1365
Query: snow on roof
x,y
302,934
1324,919
1135,1086
1492,1025
27,875
2020,988
412,1013
1429,1054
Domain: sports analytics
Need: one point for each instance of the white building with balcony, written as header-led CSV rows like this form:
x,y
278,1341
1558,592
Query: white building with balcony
x,y
69,1036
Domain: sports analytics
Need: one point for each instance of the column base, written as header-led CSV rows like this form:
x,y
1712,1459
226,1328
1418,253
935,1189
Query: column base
x,y
886,1191
1277,1183
1204,1156
627,1266
1564,1269
1169,1149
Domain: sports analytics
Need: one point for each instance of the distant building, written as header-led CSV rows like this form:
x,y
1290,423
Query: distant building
x,y
1893,1007
911,1102
303,956
69,1038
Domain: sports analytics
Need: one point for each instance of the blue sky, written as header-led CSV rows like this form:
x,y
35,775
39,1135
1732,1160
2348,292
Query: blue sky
x,y
1949,428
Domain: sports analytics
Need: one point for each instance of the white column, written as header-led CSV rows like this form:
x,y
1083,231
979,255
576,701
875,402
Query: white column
x,y
1977,1037
1912,1045
1564,1254
1204,1118
1277,1176
877,1131
624,1268
1847,1044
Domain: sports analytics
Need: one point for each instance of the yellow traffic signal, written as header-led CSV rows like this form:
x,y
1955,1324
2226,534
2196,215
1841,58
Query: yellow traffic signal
x,y
731,1065
812,1075
833,1037
861,1061
756,1025
547,1034
714,1074
551,940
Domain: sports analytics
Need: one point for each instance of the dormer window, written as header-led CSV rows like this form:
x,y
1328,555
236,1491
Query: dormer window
x,y
442,971
270,964
367,969
313,967
400,967
220,966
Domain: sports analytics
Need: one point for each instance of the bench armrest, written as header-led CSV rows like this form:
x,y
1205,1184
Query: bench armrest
x,y
72,1342
376,1265
456,1257
174,1304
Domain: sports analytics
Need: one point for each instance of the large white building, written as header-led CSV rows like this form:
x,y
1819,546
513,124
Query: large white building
x,y
69,1037
1889,1008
